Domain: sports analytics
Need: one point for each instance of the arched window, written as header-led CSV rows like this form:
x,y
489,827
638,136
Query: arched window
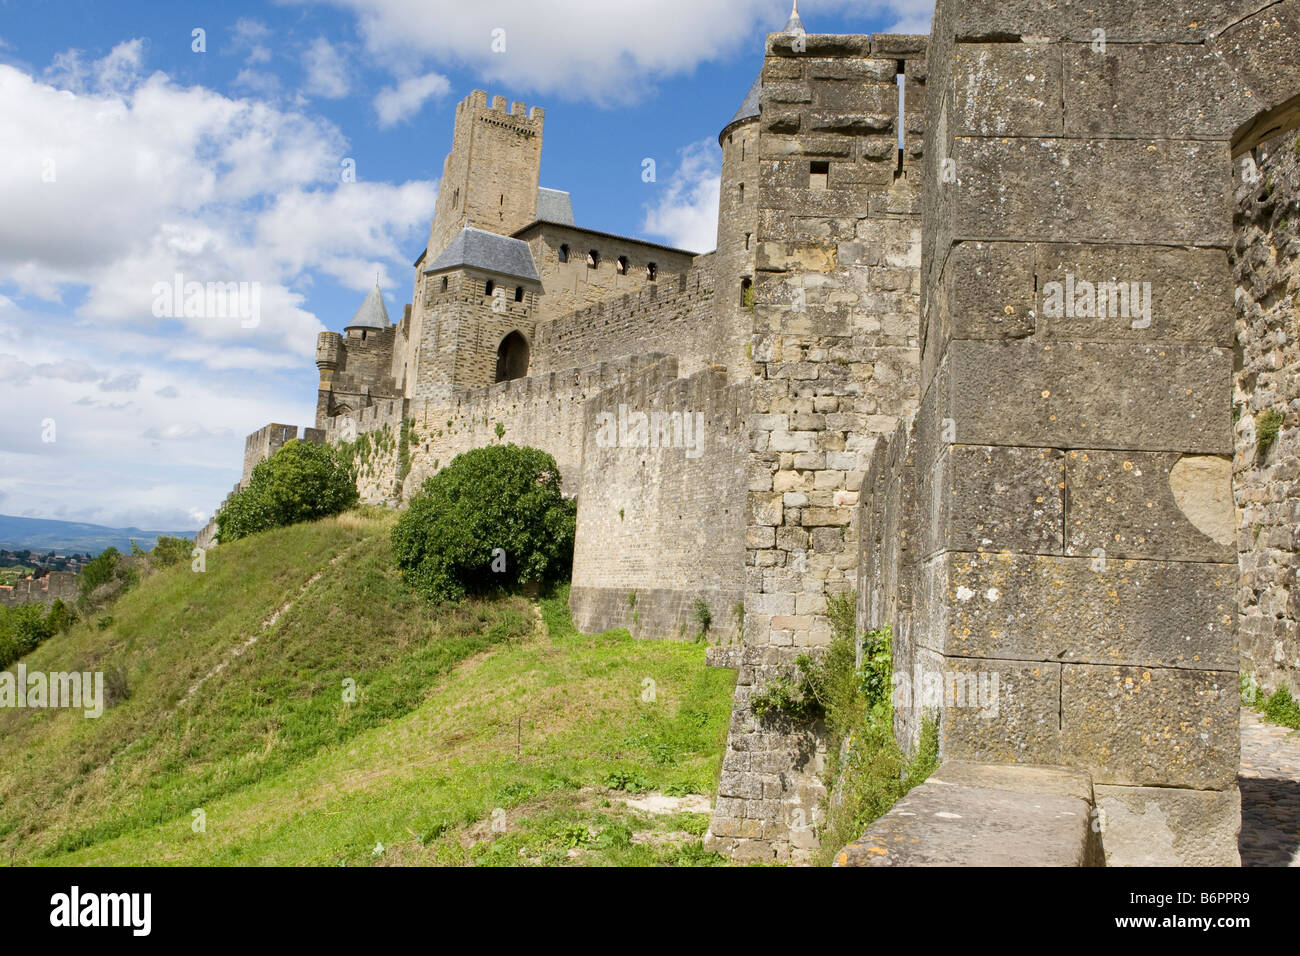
x,y
512,357
444,283
651,271
621,266
593,259
747,293
363,335
564,253
742,192
519,293
490,285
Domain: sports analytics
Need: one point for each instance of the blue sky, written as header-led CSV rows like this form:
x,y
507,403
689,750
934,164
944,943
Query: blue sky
x,y
130,156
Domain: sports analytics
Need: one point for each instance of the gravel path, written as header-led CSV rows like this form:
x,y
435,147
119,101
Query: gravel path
x,y
1270,793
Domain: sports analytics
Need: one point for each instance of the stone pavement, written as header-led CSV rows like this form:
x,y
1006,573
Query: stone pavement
x,y
1270,793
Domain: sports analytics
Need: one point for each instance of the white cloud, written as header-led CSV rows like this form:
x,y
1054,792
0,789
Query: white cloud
x,y
914,16
606,53
686,214
396,104
118,184
327,70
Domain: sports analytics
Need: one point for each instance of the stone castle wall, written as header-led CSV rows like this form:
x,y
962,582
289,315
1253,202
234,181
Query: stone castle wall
x,y
661,522
673,315
1266,264
835,357
55,586
575,285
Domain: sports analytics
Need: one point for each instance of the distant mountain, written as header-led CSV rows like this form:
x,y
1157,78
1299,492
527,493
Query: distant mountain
x,y
45,534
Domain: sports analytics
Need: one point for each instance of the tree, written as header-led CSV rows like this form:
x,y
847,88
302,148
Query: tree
x,y
302,481
99,570
492,519
168,551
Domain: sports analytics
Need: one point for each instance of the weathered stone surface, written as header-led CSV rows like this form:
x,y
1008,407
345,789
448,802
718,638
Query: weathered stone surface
x,y
1263,50
1171,21
1164,727
1090,396
1021,725
1150,505
1162,826
989,290
1266,263
1038,607
1189,292
1007,89
1152,90
1094,190
978,815
994,498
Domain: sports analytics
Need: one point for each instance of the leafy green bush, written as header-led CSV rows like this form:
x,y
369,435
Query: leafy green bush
x,y
302,481
27,626
492,519
1282,708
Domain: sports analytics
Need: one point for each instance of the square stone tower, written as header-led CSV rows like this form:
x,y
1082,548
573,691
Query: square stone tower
x,y
490,177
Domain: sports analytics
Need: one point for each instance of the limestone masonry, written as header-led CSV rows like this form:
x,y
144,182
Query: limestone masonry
x,y
966,345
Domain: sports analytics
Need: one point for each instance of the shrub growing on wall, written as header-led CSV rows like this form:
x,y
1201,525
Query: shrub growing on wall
x,y
300,482
492,519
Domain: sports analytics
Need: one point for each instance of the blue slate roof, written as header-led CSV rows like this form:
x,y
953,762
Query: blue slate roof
x,y
489,252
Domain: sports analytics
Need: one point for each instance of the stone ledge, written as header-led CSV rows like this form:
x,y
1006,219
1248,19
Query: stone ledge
x,y
970,814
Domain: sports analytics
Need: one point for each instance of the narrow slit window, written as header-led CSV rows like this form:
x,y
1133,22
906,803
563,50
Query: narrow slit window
x,y
819,174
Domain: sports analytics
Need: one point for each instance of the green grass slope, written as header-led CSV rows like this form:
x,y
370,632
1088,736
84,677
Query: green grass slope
x,y
492,733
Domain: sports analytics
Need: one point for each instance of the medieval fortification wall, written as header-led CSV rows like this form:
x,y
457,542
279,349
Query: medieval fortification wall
x,y
906,388
1266,267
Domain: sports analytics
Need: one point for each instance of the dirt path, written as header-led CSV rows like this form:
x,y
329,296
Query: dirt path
x,y
1270,793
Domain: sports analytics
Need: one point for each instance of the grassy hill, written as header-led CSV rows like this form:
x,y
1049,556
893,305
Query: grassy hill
x,y
491,733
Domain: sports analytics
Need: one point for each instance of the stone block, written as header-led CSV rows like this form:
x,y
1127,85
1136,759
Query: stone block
x,y
1093,190
1007,89
989,498
1162,826
1091,396
973,815
1151,726
1165,90
1149,294
1187,21
1040,607
1150,505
